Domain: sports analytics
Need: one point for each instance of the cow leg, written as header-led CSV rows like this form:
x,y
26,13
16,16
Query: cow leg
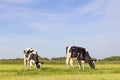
x,y
25,61
31,61
79,64
30,64
82,64
67,62
71,62
68,59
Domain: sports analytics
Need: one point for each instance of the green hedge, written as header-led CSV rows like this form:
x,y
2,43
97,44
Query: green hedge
x,y
60,60
112,58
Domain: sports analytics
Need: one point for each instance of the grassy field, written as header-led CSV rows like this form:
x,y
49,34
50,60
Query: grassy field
x,y
59,72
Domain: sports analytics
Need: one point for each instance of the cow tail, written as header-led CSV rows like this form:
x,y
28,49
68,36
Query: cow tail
x,y
68,49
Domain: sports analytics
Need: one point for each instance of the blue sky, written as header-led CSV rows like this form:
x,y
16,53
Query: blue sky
x,y
51,25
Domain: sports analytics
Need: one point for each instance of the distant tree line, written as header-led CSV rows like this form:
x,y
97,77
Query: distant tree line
x,y
112,58
60,60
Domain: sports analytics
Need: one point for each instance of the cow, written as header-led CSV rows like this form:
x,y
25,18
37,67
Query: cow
x,y
31,56
82,56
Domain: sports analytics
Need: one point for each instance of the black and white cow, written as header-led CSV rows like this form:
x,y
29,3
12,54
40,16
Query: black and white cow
x,y
31,56
80,54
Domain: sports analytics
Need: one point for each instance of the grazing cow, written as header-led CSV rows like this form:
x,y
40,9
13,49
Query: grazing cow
x,y
80,54
31,56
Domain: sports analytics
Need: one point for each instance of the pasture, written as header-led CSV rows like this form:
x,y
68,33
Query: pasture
x,y
103,71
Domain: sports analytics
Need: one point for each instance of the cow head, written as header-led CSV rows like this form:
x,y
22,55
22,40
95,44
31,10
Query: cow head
x,y
38,65
92,64
91,61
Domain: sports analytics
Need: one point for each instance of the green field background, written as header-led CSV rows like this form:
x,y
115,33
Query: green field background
x,y
56,70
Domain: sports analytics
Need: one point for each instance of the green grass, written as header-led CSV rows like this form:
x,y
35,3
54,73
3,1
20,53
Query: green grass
x,y
59,72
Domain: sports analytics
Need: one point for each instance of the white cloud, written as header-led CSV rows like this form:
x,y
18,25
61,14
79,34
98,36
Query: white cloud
x,y
92,8
47,27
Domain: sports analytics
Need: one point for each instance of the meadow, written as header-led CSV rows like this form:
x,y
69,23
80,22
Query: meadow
x,y
103,71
